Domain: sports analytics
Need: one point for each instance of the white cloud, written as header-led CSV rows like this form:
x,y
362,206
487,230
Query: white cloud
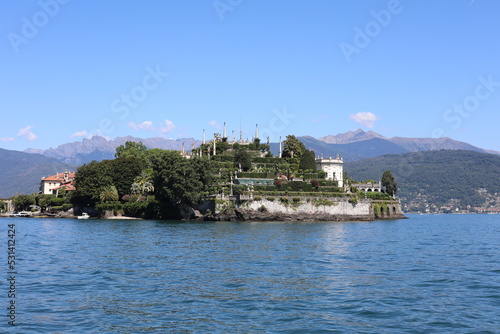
x,y
79,134
7,139
167,126
133,126
364,118
146,126
26,133
215,125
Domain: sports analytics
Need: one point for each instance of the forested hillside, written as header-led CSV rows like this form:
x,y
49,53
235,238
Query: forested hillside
x,y
20,173
450,178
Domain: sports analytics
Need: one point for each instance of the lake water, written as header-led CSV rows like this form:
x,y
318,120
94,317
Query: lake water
x,y
427,274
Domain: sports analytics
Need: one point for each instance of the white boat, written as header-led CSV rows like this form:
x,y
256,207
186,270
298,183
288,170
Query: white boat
x,y
84,216
24,214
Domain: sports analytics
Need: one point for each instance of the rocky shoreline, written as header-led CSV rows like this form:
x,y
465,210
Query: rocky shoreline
x,y
252,215
240,214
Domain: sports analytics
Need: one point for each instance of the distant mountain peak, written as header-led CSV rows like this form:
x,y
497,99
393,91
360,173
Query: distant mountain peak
x,y
351,137
99,147
33,150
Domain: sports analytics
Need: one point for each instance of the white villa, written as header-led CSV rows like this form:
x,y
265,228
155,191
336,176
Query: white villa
x,y
51,185
334,168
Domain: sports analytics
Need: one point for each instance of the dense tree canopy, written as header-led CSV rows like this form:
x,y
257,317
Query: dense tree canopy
x,y
242,160
90,180
143,184
171,178
124,172
131,149
109,194
178,180
308,160
23,202
292,149
94,178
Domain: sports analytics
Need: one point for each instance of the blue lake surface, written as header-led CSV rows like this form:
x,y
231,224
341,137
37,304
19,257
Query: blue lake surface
x,y
427,274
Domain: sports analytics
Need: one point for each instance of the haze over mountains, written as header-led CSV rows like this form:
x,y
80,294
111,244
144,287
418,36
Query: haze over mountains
x,y
352,145
428,180
358,145
20,172
409,144
99,148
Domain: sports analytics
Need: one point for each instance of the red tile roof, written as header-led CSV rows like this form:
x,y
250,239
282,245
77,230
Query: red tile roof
x,y
66,185
59,177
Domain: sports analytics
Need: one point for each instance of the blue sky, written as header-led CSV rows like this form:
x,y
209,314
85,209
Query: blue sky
x,y
71,69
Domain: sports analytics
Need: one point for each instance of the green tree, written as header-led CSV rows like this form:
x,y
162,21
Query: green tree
x,y
131,149
109,194
265,148
178,180
222,146
90,180
23,202
255,145
42,200
125,171
293,150
143,184
3,206
308,160
389,183
242,159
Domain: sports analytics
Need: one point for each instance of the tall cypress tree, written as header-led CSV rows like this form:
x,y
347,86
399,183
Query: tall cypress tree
x,y
388,181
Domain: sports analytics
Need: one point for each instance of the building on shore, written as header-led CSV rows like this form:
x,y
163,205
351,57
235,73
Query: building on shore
x,y
369,186
333,167
51,185
8,205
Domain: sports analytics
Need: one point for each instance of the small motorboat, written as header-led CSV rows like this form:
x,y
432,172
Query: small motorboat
x,y
84,216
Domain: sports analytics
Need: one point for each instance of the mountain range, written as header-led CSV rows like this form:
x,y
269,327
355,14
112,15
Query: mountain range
x,y
99,148
20,172
352,146
410,144
358,145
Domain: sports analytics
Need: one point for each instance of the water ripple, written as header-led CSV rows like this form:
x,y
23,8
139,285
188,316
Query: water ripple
x,y
429,274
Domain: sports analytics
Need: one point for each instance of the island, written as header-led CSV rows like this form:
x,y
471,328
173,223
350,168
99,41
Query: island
x,y
224,179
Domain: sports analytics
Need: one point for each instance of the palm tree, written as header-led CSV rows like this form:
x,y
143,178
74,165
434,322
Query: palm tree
x,y
143,183
109,194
